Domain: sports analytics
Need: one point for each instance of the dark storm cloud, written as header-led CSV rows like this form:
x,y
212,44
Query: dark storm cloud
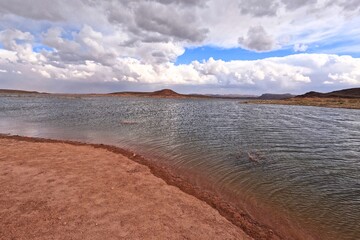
x,y
169,22
35,9
159,21
190,3
259,8
262,8
348,5
257,39
295,4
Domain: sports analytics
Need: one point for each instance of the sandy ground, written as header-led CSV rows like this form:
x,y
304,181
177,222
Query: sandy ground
x,y
62,191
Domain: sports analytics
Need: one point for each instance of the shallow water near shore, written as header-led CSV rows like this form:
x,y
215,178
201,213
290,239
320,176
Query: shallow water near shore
x,y
302,161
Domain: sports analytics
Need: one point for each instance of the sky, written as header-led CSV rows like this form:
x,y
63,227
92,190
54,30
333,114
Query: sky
x,y
191,46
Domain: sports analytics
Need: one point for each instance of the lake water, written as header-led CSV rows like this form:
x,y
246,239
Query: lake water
x,y
304,162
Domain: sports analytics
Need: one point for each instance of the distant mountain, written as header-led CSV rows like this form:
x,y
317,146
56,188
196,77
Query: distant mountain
x,y
12,91
168,93
270,96
164,93
345,93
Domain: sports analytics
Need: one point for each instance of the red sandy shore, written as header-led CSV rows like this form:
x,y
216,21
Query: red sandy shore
x,y
53,189
62,191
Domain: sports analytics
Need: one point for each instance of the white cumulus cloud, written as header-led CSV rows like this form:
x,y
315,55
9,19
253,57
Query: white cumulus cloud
x,y
49,45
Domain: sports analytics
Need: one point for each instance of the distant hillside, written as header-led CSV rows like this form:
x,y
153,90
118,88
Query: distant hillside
x,y
270,96
168,93
347,98
345,93
352,93
11,91
165,93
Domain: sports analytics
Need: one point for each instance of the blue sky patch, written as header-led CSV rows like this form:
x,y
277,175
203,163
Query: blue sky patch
x,y
206,52
40,48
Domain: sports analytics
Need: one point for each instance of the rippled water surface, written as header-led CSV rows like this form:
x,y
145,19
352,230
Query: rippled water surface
x,y
302,161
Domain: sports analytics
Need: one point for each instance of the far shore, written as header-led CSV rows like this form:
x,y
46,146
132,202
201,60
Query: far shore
x,y
164,93
350,103
346,98
335,102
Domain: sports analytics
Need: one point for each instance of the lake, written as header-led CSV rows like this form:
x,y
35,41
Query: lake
x,y
302,163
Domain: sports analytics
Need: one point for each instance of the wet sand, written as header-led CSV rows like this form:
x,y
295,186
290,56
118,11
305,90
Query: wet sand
x,y
57,190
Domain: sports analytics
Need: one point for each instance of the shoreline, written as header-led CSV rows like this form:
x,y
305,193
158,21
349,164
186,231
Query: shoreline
x,y
124,95
72,190
346,103
237,217
323,102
